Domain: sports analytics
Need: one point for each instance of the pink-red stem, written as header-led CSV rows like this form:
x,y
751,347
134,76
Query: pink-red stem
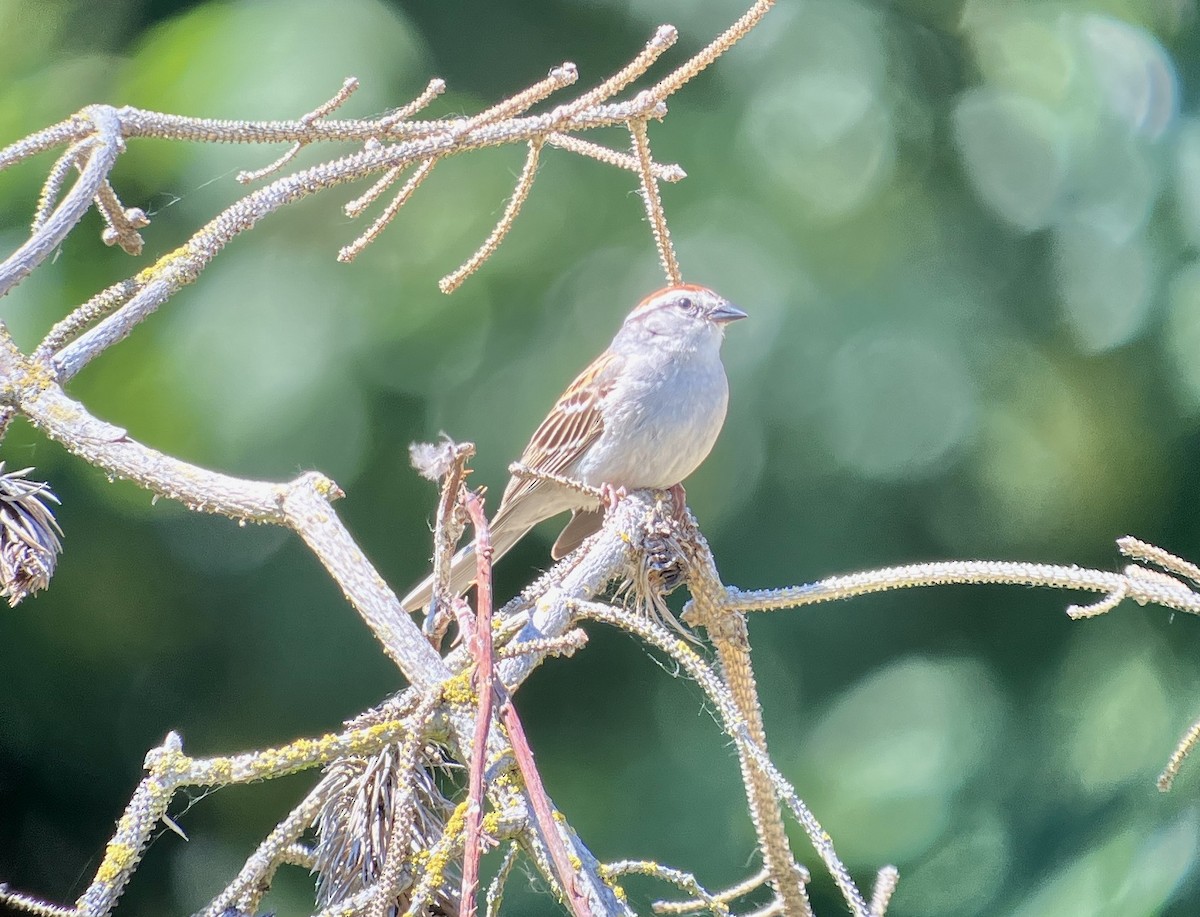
x,y
481,647
489,690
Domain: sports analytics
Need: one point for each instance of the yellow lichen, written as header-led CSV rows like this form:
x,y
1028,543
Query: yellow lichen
x,y
162,264
222,770
458,690
491,823
118,857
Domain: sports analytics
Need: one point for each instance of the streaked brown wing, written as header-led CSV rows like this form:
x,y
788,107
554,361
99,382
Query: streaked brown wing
x,y
573,424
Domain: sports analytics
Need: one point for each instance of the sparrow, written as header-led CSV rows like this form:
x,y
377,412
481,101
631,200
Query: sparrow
x,y
643,415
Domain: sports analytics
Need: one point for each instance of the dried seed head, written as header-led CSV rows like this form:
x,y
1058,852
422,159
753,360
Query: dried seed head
x,y
29,535
434,460
659,569
357,827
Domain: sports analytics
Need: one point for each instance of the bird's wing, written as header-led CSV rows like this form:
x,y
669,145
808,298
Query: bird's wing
x,y
572,426
584,523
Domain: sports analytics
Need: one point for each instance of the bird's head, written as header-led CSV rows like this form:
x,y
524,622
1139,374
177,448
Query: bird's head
x,y
685,317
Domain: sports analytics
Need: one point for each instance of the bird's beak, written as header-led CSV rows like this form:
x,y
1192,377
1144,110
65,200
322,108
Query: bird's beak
x,y
725,313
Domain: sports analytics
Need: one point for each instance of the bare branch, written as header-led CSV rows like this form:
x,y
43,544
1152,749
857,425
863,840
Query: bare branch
x,y
103,303
260,867
303,505
495,892
653,202
885,887
435,88
56,178
356,207
77,127
447,532
355,248
30,905
121,224
1189,741
669,173
719,693
726,896
802,814
453,281
481,650
349,85
566,645
677,877
676,80
1137,549
421,142
727,631
558,78
523,471
659,44
1140,584
404,811
102,154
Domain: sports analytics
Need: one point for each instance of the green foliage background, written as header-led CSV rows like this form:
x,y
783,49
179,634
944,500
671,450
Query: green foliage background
x,y
966,233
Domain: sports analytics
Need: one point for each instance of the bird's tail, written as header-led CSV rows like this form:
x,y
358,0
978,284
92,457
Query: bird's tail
x,y
462,567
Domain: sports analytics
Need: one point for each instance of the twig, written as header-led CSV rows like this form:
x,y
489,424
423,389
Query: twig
x,y
1189,741
542,811
566,645
355,248
1140,584
669,173
562,480
653,202
745,887
735,726
885,887
101,157
727,631
677,877
103,303
121,224
452,468
676,80
662,40
404,811
419,142
31,905
432,90
559,77
495,892
56,178
485,688
303,505
802,814
254,878
453,281
1137,549
358,206
446,848
349,85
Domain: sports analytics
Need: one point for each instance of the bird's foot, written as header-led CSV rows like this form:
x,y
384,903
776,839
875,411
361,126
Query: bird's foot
x,y
464,615
610,496
678,501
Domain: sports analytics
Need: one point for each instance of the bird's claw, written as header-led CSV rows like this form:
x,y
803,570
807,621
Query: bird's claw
x,y
678,501
610,496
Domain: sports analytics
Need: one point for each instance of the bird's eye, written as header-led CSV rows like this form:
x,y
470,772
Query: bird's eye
x,y
687,305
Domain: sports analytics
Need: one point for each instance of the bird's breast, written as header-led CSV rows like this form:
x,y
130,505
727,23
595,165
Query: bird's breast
x,y
660,423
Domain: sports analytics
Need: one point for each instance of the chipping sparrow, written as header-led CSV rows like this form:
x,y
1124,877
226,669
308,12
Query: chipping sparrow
x,y
644,414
